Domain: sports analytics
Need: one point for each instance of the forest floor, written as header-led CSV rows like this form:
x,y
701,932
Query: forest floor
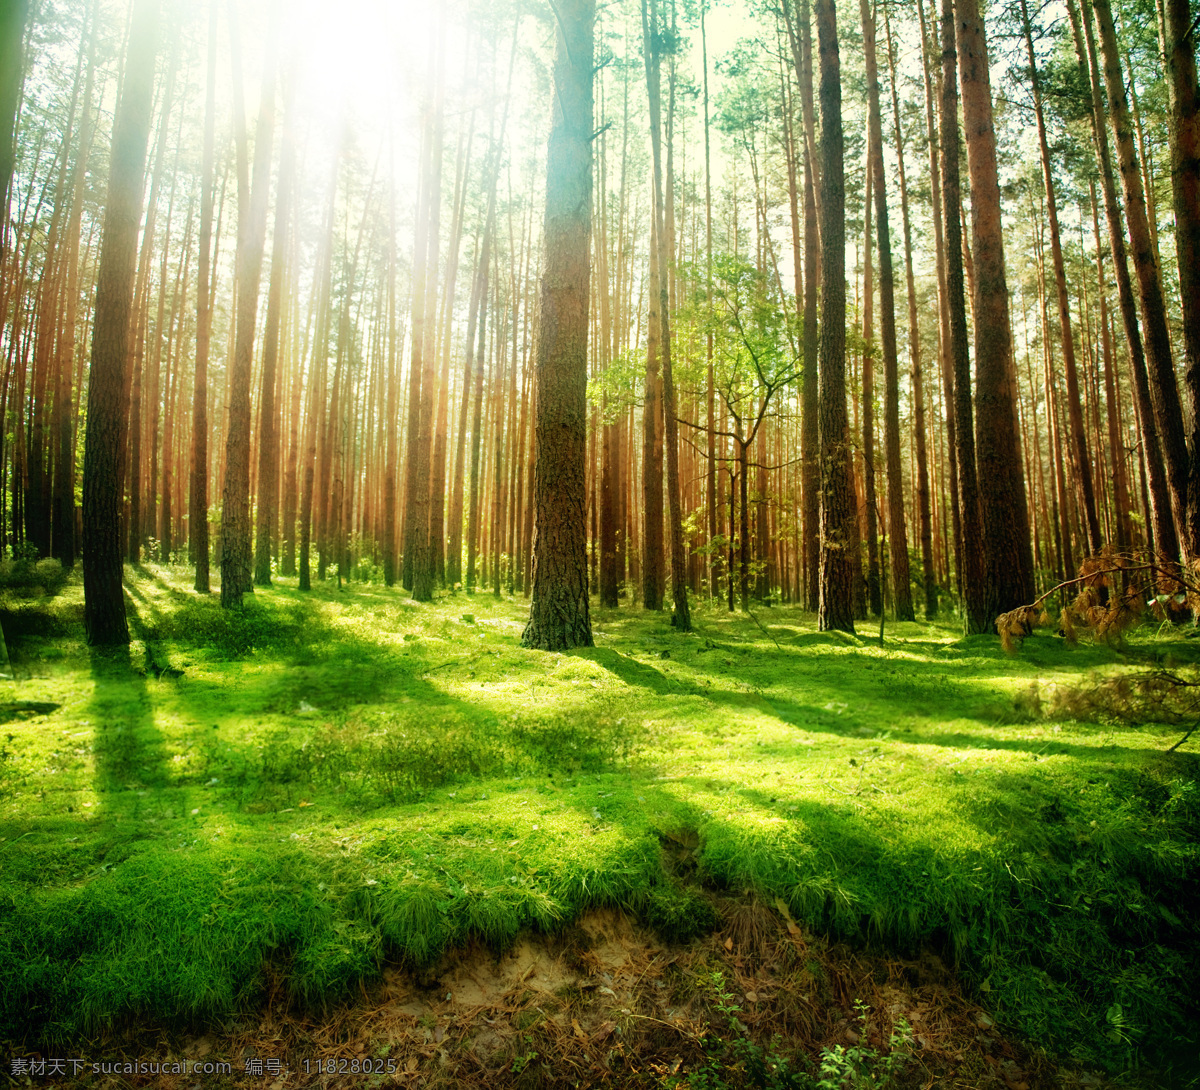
x,y
348,828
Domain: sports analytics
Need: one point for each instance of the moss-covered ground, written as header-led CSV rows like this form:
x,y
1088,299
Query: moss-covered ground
x,y
318,785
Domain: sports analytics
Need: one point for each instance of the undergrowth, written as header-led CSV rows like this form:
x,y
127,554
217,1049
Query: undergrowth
x,y
314,785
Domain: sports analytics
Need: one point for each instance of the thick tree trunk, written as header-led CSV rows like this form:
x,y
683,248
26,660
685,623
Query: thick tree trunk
x,y
559,613
1003,508
836,607
973,575
104,603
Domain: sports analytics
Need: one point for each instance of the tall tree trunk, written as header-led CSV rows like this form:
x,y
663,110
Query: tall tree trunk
x,y
652,450
135,381
268,415
477,435
898,531
63,529
437,520
198,493
104,603
13,16
1079,451
418,549
681,618
710,374
810,450
252,236
393,404
317,371
945,357
977,612
928,578
1003,508
1166,538
559,613
1179,47
1163,387
836,609
869,512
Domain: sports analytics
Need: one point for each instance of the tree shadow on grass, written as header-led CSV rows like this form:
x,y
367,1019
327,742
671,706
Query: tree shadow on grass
x,y
632,672
129,751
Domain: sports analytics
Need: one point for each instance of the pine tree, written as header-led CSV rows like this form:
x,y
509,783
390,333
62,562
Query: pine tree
x,y
559,613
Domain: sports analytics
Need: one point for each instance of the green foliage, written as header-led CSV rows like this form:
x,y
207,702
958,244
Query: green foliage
x,y
677,913
756,333
25,576
736,1060
237,633
619,386
861,1067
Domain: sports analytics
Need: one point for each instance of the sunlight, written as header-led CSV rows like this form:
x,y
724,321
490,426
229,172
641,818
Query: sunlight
x,y
359,56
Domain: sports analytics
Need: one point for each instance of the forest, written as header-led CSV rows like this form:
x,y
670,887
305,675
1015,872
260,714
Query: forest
x,y
557,544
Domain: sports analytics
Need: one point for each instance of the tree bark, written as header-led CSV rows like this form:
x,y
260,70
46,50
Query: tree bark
x,y
977,615
1003,508
252,236
268,416
928,578
1166,539
810,474
13,17
1079,451
836,607
1164,389
681,618
104,602
1180,49
559,612
898,531
198,494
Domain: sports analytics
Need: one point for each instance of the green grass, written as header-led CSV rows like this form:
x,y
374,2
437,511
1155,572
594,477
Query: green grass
x,y
336,779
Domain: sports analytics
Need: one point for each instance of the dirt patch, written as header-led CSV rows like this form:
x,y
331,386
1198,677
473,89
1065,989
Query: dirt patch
x,y
606,1003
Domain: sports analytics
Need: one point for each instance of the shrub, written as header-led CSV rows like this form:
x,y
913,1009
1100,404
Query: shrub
x,y
24,576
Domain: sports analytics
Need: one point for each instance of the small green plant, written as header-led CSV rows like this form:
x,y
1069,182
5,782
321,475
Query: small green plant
x,y
523,1059
861,1067
737,1060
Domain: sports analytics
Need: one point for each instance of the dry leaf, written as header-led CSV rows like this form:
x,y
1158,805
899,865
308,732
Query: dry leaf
x,y
729,944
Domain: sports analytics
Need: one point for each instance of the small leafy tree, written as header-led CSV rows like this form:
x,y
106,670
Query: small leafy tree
x,y
755,335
